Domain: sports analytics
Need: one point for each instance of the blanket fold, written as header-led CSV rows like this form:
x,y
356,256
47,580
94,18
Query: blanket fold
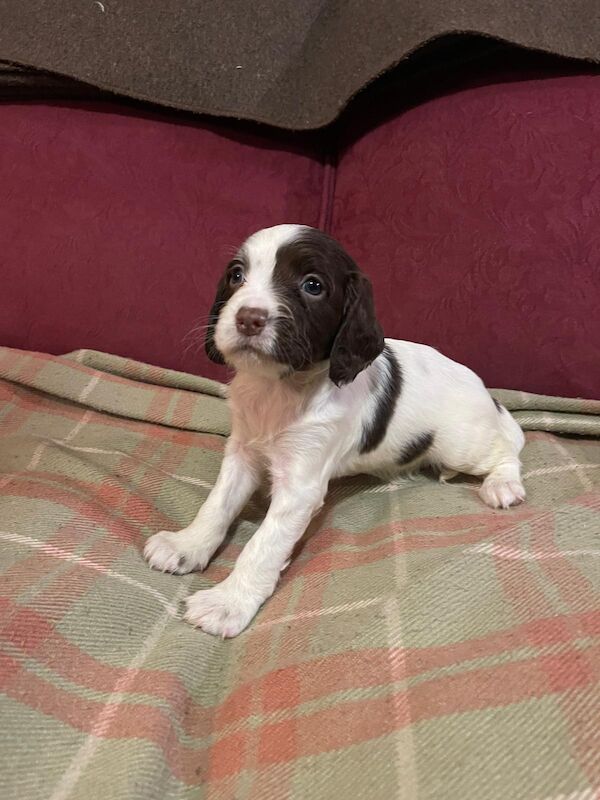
x,y
287,63
82,376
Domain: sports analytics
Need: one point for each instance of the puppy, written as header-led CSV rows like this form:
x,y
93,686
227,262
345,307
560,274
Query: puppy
x,y
319,393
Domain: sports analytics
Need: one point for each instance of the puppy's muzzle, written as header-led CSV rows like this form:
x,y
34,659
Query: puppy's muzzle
x,y
250,321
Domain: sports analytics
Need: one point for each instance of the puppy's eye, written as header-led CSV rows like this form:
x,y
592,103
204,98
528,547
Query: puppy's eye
x,y
312,286
236,276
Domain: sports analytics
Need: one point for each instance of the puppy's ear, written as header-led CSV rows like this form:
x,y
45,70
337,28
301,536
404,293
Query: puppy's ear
x,y
359,339
209,342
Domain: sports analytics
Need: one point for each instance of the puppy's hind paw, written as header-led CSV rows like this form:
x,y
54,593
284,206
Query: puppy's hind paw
x,y
501,493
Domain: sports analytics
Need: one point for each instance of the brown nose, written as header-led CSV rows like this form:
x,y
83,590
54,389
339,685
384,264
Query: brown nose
x,y
250,321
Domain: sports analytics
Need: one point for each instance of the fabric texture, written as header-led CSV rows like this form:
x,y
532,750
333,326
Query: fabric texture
x,y
420,644
115,229
288,63
475,215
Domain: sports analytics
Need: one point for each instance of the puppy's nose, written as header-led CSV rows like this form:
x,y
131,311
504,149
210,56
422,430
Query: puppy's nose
x,y
250,321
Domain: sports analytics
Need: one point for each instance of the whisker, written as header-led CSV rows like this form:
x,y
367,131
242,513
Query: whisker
x,y
194,338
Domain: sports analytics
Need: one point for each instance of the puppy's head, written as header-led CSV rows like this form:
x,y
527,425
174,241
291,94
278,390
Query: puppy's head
x,y
291,298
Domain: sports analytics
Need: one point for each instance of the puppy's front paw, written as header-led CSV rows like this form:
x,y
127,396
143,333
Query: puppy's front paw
x,y
222,611
502,494
173,552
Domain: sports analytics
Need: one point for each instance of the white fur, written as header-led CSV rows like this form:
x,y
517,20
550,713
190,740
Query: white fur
x,y
260,250
302,431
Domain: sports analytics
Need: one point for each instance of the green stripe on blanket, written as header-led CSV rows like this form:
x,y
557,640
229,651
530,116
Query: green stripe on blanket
x,y
420,645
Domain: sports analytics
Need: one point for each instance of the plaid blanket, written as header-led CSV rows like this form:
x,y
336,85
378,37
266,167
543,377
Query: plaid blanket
x,y
421,645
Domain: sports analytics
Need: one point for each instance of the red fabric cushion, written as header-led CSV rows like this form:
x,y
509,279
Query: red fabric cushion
x,y
474,213
477,217
115,228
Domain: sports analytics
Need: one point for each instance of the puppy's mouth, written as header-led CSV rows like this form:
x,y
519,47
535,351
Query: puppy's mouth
x,y
273,346
251,346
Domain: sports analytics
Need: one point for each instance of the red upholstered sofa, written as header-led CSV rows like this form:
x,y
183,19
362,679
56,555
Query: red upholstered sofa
x,y
421,645
475,211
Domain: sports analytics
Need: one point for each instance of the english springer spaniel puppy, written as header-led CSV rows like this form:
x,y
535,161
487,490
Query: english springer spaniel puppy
x,y
319,393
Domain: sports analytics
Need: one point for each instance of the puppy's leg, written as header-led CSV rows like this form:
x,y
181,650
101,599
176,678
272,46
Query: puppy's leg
x,y
503,488
193,547
227,608
486,443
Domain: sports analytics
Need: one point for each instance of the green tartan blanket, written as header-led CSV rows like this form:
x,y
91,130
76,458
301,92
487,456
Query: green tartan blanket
x,y
421,645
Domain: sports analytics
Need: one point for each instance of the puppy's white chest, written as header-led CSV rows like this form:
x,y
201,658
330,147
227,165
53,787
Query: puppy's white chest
x,y
263,409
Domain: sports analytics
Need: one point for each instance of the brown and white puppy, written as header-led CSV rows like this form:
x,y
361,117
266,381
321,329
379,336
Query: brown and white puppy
x,y
319,393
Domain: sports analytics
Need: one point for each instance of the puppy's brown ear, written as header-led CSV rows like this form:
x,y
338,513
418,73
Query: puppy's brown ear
x,y
359,339
209,342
